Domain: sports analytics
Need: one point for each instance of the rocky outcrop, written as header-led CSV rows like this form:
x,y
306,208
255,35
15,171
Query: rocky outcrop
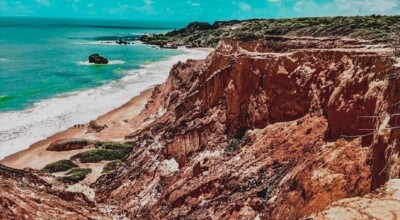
x,y
95,127
261,130
97,59
25,196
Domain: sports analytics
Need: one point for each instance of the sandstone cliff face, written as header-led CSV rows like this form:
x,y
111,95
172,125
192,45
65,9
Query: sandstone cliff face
x,y
257,130
383,204
25,196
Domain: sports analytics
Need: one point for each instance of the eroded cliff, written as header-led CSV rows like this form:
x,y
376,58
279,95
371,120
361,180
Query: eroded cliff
x,y
275,131
24,195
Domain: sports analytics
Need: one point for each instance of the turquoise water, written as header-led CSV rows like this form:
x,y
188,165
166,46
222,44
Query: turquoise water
x,y
44,58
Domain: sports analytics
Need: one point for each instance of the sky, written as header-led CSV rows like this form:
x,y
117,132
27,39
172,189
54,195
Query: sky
x,y
195,10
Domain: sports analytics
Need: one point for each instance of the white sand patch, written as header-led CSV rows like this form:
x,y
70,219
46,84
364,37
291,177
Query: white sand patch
x,y
87,191
208,154
375,86
324,176
170,165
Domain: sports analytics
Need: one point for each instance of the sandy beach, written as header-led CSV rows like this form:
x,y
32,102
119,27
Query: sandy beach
x,y
37,157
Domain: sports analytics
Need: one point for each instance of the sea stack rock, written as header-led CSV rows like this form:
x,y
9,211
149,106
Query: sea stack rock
x,y
97,59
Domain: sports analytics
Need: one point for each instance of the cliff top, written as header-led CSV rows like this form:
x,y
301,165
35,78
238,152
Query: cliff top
x,y
375,28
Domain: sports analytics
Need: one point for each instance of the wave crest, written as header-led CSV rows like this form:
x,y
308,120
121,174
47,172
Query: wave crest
x,y
111,43
111,62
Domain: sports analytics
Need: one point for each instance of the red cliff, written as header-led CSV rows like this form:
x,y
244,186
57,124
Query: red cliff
x,y
23,195
278,131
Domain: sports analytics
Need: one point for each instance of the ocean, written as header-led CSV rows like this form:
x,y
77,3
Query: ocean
x,y
47,85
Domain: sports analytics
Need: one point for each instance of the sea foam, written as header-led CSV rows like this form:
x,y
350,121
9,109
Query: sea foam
x,y
20,129
111,43
111,62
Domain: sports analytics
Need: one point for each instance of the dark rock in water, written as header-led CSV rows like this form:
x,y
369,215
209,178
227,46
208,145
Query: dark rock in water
x,y
122,42
97,59
144,38
169,46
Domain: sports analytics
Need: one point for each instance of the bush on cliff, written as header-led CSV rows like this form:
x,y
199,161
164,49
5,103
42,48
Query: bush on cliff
x,y
114,146
97,155
111,166
76,175
59,166
234,145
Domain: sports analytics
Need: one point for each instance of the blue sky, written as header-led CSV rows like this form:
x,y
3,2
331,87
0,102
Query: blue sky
x,y
190,10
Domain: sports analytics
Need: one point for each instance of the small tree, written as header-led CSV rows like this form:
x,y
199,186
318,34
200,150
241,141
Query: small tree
x,y
395,45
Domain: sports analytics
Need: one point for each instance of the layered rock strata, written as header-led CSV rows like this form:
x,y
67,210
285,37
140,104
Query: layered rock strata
x,y
258,130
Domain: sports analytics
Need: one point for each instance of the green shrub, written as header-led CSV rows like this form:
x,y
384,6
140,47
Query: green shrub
x,y
114,146
111,166
233,145
97,155
59,166
76,175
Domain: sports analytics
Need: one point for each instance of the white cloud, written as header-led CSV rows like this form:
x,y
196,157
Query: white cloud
x,y
345,7
14,9
148,2
146,7
43,2
274,1
124,9
74,6
244,6
194,4
366,6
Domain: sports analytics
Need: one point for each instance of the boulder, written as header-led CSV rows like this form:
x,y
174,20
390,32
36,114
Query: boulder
x,y
94,127
97,59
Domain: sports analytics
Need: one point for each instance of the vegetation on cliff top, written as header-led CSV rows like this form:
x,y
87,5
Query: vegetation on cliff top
x,y
98,155
114,146
111,166
76,175
59,166
104,151
199,34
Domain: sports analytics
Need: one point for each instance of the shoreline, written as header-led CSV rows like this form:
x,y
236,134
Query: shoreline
x,y
36,156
